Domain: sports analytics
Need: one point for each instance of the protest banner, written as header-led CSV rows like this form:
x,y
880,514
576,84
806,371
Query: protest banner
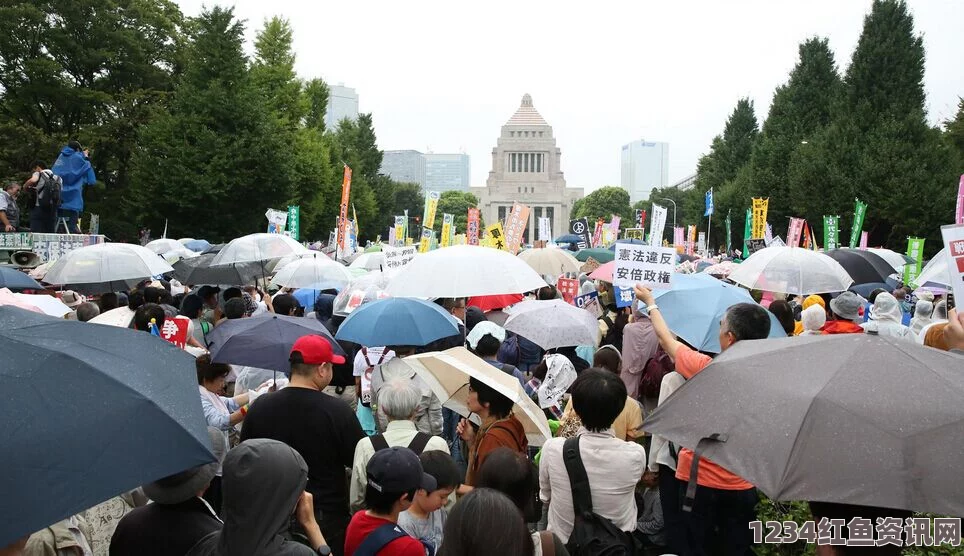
x,y
276,220
589,266
590,302
175,331
635,233
648,265
831,232
794,231
614,226
391,236
747,231
701,243
751,246
708,199
915,250
863,239
425,241
597,233
545,229
447,222
568,288
516,224
777,242
640,218
729,234
496,236
768,234
860,210
397,257
49,247
759,217
691,240
342,237
472,227
656,225
679,236
431,204
580,227
959,214
294,222
399,231
954,244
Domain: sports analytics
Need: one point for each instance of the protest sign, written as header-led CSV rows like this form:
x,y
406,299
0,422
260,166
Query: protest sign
x,y
294,222
343,209
580,228
648,265
794,232
598,233
568,288
624,296
954,244
656,225
691,241
959,213
49,247
516,224
860,210
391,236
751,246
635,233
276,220
399,231
831,232
496,236
175,331
20,240
590,302
679,236
431,204
701,243
447,220
397,257
640,218
729,232
425,241
472,227
759,217
777,242
915,250
614,226
545,229
94,224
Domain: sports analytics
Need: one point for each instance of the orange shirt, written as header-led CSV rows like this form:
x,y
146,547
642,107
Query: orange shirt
x,y
709,474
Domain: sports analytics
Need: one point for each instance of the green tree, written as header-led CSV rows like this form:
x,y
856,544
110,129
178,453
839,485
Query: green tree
x,y
954,136
603,203
273,73
316,100
456,203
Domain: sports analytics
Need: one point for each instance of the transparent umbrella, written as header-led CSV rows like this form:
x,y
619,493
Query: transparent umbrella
x,y
464,271
105,267
791,270
258,248
316,273
163,245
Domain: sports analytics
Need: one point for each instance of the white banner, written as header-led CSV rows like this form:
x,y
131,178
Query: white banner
x,y
651,266
545,231
397,257
656,225
701,243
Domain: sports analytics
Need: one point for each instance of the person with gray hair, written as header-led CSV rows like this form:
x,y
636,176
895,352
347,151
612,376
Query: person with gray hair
x,y
398,400
87,311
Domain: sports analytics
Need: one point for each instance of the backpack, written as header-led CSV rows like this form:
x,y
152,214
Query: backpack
x,y
49,189
380,537
366,397
417,444
592,534
509,352
658,366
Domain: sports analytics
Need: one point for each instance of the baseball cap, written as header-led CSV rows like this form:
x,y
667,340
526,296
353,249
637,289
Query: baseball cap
x,y
398,470
314,350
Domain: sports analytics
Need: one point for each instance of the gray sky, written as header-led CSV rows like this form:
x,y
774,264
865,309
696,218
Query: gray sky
x,y
445,76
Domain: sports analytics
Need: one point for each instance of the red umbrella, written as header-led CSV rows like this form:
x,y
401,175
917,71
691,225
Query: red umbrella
x,y
604,272
492,302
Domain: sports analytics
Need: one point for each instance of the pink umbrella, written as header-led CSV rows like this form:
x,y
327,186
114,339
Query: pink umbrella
x,y
7,298
604,272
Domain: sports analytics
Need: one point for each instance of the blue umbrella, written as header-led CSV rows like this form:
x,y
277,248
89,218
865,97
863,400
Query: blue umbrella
x,y
89,411
398,321
13,279
306,296
197,245
569,238
696,303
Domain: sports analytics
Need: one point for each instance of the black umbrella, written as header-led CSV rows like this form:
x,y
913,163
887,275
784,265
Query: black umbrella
x,y
15,280
214,249
263,341
88,411
863,266
198,270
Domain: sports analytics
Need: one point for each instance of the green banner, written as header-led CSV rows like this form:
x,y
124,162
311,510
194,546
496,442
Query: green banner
x,y
831,232
915,250
294,222
747,231
728,231
860,210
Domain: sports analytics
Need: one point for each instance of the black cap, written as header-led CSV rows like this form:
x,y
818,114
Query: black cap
x,y
397,470
207,291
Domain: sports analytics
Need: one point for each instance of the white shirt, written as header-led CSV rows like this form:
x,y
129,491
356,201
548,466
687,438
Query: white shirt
x,y
360,368
659,448
613,466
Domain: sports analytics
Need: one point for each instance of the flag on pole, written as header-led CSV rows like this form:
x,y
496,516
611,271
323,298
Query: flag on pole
x,y
959,219
709,203
747,232
860,210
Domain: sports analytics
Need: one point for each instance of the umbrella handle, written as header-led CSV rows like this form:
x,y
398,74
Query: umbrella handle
x,y
695,466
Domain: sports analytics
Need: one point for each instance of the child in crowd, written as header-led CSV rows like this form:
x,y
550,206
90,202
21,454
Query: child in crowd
x,y
425,518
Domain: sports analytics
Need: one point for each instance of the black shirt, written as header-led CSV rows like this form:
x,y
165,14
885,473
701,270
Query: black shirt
x,y
163,529
322,428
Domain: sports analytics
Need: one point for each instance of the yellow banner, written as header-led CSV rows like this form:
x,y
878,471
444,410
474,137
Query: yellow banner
x,y
431,203
447,220
759,218
496,237
408,241
425,241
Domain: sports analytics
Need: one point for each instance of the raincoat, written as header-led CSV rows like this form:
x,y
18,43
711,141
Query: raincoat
x,y
76,172
886,317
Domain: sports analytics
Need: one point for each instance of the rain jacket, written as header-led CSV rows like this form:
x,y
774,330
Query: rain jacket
x,y
886,318
262,482
76,172
842,327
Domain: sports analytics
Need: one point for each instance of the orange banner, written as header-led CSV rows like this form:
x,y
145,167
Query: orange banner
x,y
343,213
515,226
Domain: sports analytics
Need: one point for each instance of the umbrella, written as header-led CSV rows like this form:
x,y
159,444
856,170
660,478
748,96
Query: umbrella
x,y
791,270
464,271
105,267
894,259
198,270
178,254
7,298
377,248
400,321
492,302
604,272
935,273
214,249
684,258
722,269
696,303
13,279
447,373
601,255
263,341
121,316
306,297
550,261
49,304
568,238
163,245
364,289
863,266
317,273
258,248
185,240
553,323
860,427
864,290
288,259
373,260
197,245
132,416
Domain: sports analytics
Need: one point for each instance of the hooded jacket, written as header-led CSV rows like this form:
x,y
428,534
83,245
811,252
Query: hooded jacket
x,y
842,327
76,172
262,482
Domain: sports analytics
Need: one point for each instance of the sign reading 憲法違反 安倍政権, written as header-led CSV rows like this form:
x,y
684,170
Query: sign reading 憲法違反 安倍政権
x,y
649,265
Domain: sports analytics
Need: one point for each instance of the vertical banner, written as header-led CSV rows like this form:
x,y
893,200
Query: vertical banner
x,y
959,217
709,203
915,250
691,241
747,232
447,223
425,241
515,224
729,232
953,236
95,224
399,231
580,228
641,217
656,225
794,232
431,203
759,218
392,238
860,210
807,235
343,211
863,239
679,237
545,229
472,227
597,233
294,222
496,236
831,232
701,244
614,227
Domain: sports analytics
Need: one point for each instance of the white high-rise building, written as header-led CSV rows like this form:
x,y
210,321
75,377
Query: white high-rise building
x,y
645,166
342,103
404,166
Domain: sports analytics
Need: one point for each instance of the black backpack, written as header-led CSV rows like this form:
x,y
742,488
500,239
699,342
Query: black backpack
x,y
592,534
49,189
417,444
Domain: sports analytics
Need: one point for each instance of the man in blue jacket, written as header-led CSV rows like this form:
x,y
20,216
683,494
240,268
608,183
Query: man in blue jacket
x,y
73,167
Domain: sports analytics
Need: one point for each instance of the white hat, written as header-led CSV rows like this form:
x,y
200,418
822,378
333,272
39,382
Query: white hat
x,y
72,299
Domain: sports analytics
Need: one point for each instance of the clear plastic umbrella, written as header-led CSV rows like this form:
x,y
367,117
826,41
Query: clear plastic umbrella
x,y
163,245
553,323
369,261
464,271
365,289
105,267
258,248
935,274
791,270
316,273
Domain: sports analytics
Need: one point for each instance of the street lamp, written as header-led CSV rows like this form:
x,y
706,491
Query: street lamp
x,y
674,211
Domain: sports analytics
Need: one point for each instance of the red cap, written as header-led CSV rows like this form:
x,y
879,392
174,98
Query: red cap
x,y
314,350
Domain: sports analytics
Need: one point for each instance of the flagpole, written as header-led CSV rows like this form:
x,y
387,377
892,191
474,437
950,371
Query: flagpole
x,y
709,222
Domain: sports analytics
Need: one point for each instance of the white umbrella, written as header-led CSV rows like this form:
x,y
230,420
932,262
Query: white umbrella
x,y
185,240
369,261
553,323
288,259
163,245
550,261
935,273
258,248
893,258
179,253
447,373
120,317
316,273
464,271
105,267
791,270
46,303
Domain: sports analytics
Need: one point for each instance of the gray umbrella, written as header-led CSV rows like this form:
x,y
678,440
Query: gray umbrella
x,y
854,418
263,341
198,270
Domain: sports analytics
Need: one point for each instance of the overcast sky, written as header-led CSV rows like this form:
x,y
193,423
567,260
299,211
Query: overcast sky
x,y
444,76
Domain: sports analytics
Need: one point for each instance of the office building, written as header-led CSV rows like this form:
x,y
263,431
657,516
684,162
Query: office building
x,y
446,172
645,166
404,166
342,103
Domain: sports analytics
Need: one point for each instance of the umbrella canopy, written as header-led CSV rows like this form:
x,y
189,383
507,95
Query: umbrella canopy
x,y
105,267
121,316
214,249
550,261
447,373
784,417
49,304
863,266
604,272
601,255
722,269
163,245
13,279
185,240
258,248
263,341
864,290
197,245
364,289
935,273
568,238
132,416
377,248
288,259
399,321
553,323
317,273
179,254
894,259
369,260
684,258
464,271
492,302
696,303
7,298
198,270
791,270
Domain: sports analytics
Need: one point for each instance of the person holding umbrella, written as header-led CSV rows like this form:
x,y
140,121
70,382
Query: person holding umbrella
x,y
718,505
499,429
